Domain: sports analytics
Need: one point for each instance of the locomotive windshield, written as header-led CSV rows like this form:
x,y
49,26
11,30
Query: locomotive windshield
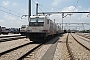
x,y
36,22
24,26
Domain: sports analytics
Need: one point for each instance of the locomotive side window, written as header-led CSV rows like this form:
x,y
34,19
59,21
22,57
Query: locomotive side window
x,y
41,20
36,22
32,20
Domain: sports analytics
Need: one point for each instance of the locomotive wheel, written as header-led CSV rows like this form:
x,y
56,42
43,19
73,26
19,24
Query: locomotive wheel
x,y
40,40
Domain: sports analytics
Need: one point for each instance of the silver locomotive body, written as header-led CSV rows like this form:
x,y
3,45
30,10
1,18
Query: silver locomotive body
x,y
23,29
41,27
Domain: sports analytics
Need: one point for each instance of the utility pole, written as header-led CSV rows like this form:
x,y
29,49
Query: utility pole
x,y
83,26
69,20
62,20
37,9
29,8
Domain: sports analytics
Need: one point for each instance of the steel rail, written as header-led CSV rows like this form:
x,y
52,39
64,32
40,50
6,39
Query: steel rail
x,y
80,43
68,48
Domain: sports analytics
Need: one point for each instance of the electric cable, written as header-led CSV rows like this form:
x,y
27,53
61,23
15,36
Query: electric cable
x,y
10,13
11,10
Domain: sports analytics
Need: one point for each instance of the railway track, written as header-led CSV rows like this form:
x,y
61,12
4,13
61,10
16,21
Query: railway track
x,y
20,52
68,48
10,38
84,35
34,52
17,52
73,49
82,44
4,36
29,52
84,39
73,46
7,51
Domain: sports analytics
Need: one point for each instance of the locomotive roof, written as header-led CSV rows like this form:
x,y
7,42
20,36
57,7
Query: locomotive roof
x,y
41,16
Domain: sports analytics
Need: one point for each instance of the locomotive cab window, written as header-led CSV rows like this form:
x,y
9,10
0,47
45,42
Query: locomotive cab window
x,y
23,26
36,22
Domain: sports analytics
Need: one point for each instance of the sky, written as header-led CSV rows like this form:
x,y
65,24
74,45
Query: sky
x,y
11,11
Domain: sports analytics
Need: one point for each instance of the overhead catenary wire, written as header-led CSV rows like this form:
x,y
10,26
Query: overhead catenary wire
x,y
76,5
10,13
10,10
37,0
33,1
49,6
43,7
38,7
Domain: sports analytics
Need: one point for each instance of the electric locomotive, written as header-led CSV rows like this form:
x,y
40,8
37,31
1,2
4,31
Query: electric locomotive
x,y
40,27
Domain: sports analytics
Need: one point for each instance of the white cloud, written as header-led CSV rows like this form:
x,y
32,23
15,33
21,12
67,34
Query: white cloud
x,y
58,17
68,9
36,2
9,17
79,7
2,21
24,11
52,9
56,2
5,3
10,21
84,16
15,4
19,22
89,9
